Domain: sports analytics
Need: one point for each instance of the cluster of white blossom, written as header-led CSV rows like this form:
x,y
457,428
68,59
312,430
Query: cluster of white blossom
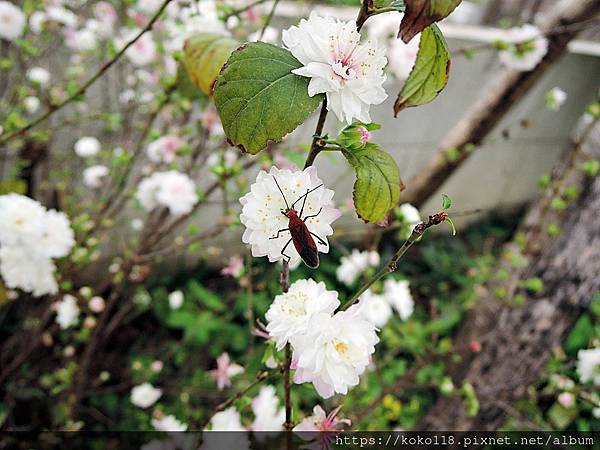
x,y
268,415
330,350
164,149
588,366
171,189
355,264
348,72
525,48
262,209
30,238
555,98
378,308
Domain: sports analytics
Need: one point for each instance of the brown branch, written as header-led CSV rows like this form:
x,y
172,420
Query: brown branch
x,y
82,90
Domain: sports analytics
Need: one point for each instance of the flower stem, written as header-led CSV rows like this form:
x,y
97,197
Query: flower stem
x,y
284,281
315,147
391,265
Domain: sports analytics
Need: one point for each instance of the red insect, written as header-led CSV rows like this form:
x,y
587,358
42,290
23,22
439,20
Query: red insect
x,y
301,235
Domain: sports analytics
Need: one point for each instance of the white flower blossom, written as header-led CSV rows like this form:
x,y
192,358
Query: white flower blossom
x,y
290,313
164,149
349,73
39,75
67,312
227,420
175,299
320,421
93,175
224,371
32,104
401,57
355,264
555,98
172,189
148,7
397,293
375,308
12,21
87,146
267,414
57,13
145,395
526,48
168,423
20,220
27,271
84,39
57,236
588,366
141,52
335,351
36,21
263,218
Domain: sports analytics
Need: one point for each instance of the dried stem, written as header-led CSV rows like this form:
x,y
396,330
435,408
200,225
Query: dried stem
x,y
391,265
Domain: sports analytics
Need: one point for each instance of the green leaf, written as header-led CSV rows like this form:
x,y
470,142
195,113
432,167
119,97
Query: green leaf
x,y
446,202
377,186
204,56
422,13
430,72
580,335
258,97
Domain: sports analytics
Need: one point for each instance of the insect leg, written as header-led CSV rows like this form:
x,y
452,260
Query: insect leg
x,y
279,232
313,215
283,250
304,195
319,238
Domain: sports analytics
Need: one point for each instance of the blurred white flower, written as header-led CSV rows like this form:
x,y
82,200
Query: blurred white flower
x,y
148,7
97,304
57,237
397,293
28,271
335,351
350,73
526,48
227,159
555,98
105,13
355,264
566,399
271,36
267,415
410,213
172,189
224,371
93,175
30,236
290,313
168,423
67,312
375,308
262,211
36,21
227,420
57,13
142,51
145,395
596,412
137,224
39,75
164,149
175,299
87,146
81,40
12,21
32,104
588,365
401,57
320,421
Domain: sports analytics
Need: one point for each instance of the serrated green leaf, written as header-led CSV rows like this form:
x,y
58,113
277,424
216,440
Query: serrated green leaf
x,y
377,186
430,72
422,13
258,97
204,56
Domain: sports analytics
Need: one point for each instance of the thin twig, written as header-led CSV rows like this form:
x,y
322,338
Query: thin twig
x,y
82,90
268,20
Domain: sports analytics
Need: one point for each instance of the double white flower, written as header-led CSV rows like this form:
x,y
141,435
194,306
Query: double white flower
x,y
348,72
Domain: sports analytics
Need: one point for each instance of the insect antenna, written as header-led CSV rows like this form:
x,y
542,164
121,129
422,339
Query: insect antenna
x,y
279,187
306,195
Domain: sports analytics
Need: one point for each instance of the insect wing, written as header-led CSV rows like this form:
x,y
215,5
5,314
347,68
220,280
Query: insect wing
x,y
304,243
